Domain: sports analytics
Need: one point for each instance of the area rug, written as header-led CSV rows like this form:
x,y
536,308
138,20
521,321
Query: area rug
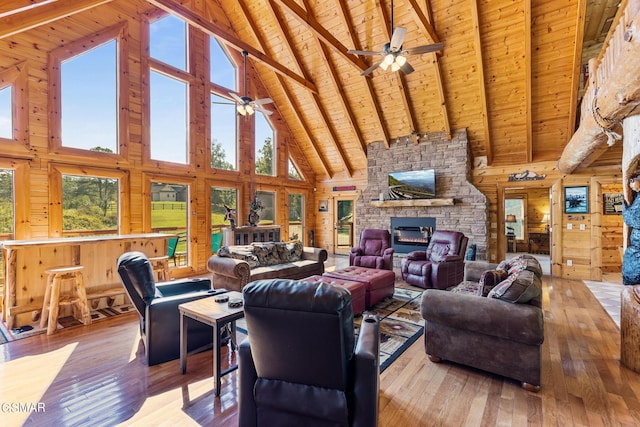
x,y
400,324
608,295
8,335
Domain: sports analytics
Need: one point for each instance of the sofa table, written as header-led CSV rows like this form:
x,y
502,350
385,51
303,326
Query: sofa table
x,y
217,315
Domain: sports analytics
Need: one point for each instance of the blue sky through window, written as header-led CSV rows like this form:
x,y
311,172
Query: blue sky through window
x,y
168,118
223,126
221,67
6,115
90,121
168,44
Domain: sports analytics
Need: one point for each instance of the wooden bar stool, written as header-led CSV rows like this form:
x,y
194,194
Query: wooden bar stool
x,y
54,298
160,267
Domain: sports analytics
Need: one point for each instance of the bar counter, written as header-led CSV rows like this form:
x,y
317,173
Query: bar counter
x,y
25,262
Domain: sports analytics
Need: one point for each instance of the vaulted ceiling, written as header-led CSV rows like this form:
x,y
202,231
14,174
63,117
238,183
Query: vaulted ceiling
x,y
509,72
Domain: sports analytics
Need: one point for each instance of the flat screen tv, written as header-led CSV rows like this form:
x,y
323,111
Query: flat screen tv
x,y
419,184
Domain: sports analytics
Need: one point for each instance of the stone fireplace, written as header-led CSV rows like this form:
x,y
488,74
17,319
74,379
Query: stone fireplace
x,y
452,164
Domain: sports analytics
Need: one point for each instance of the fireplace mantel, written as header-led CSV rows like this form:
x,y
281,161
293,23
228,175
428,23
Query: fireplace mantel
x,y
392,203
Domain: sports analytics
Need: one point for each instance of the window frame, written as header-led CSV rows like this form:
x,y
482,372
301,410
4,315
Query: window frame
x,y
56,57
17,77
56,171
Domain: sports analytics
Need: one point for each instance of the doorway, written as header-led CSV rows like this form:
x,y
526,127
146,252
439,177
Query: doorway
x,y
344,230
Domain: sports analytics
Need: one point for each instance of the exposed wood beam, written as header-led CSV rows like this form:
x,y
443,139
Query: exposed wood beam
x,y
477,47
402,82
44,13
424,23
313,25
316,99
295,106
9,7
371,93
196,20
527,77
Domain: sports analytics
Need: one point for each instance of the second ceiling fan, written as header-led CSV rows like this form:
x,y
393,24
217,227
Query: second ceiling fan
x,y
394,56
246,105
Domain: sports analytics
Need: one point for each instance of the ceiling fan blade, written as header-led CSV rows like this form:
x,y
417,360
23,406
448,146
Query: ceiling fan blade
x,y
424,49
364,52
263,110
263,101
397,39
406,68
236,97
370,69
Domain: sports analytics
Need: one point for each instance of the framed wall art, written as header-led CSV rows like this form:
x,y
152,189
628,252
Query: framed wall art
x,y
323,206
612,203
576,200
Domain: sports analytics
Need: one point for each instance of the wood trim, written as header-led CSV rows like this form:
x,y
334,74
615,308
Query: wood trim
x,y
33,17
527,79
17,78
577,63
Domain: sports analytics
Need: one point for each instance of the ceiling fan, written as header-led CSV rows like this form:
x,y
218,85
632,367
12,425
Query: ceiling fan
x,y
246,105
394,56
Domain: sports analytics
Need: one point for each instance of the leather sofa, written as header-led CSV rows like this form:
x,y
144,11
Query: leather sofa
x,y
441,265
235,266
301,364
492,321
157,306
373,251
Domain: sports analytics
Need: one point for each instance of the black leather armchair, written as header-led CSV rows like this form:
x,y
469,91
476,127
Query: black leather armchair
x,y
157,306
300,364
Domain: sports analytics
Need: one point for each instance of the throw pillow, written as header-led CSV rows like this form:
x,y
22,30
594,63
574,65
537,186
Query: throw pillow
x,y
489,280
466,287
243,253
518,288
291,251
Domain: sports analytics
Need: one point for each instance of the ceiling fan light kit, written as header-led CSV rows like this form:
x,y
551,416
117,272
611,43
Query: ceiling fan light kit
x,y
394,57
247,106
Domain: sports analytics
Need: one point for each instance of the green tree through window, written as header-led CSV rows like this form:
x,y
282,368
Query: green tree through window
x,y
264,163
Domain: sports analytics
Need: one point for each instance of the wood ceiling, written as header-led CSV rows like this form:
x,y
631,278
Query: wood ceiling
x,y
509,72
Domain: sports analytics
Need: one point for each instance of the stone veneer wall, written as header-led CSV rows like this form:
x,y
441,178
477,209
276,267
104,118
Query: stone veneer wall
x,y
452,163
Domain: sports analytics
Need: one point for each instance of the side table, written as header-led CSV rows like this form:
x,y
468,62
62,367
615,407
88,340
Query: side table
x,y
217,315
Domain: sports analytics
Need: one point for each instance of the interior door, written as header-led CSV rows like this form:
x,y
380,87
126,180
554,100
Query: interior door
x,y
344,229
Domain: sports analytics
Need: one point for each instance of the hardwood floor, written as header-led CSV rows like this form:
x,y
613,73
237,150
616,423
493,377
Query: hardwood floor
x,y
96,375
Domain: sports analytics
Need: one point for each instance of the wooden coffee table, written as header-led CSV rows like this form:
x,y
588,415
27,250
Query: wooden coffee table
x,y
217,315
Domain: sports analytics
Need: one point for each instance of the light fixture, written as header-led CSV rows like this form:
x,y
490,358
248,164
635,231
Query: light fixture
x,y
246,105
545,220
511,218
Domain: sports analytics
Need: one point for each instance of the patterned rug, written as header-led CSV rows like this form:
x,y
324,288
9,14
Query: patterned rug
x,y
8,335
400,324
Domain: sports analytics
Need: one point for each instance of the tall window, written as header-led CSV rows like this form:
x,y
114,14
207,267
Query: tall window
x,y
223,133
221,200
296,217
89,205
90,121
222,70
169,214
6,112
168,41
169,121
293,172
264,143
268,213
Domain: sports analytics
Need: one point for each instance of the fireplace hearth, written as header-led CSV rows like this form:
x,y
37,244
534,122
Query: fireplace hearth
x,y
411,234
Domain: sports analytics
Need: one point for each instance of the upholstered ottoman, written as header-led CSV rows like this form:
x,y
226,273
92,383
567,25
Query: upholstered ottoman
x,y
357,289
380,284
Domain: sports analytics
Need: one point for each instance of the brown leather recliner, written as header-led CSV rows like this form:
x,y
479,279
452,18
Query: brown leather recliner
x,y
373,251
300,364
441,265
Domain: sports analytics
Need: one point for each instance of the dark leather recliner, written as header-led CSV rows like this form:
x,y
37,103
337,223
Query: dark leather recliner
x,y
373,251
300,365
441,265
157,306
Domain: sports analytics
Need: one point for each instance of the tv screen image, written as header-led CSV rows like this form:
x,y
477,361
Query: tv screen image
x,y
419,184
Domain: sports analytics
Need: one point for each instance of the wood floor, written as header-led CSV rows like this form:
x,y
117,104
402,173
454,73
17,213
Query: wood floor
x,y
91,376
